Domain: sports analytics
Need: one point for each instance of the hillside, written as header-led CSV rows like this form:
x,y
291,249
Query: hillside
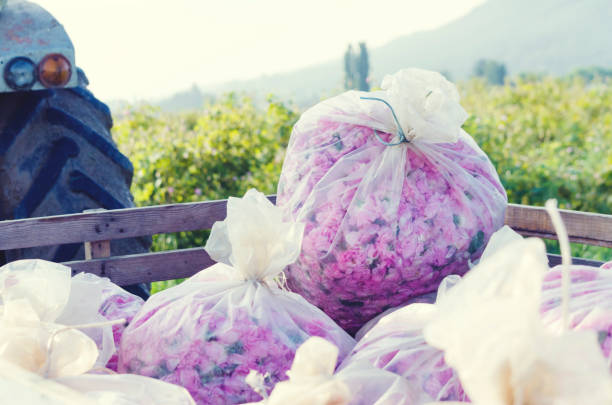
x,y
553,36
189,99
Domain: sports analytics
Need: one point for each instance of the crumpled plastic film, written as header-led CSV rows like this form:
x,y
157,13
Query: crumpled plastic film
x,y
34,295
127,389
590,288
312,381
590,305
207,333
57,297
52,358
490,330
24,387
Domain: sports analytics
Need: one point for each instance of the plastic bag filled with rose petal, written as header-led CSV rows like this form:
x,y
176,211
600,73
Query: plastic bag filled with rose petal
x,y
590,305
36,296
395,341
20,386
394,194
40,291
207,333
127,389
499,239
429,298
116,303
24,387
396,344
56,372
490,330
93,294
312,381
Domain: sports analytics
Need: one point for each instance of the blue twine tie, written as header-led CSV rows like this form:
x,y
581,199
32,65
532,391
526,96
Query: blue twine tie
x,y
400,133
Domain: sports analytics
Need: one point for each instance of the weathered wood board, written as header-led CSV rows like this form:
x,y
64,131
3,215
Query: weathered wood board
x,y
96,229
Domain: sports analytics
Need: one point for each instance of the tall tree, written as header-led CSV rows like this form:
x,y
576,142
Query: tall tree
x,y
349,72
357,68
494,72
363,68
480,68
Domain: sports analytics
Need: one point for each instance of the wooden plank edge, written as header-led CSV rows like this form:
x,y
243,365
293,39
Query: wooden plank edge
x,y
574,239
554,260
109,224
183,263
586,226
60,229
146,267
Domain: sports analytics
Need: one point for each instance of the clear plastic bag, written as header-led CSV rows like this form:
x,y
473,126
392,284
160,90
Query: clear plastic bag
x,y
499,240
44,293
50,359
118,304
590,305
207,333
386,223
429,298
82,299
396,344
126,389
490,329
312,381
24,387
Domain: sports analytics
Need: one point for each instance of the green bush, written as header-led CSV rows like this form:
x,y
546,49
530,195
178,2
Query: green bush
x,y
547,137
221,151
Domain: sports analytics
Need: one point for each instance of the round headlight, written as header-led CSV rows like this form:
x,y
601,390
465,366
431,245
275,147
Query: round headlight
x,y
20,73
54,70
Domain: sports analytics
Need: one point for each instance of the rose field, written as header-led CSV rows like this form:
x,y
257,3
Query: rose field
x,y
547,138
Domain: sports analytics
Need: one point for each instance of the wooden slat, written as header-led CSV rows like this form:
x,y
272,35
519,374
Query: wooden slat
x,y
582,227
98,249
588,228
146,267
182,263
554,260
111,224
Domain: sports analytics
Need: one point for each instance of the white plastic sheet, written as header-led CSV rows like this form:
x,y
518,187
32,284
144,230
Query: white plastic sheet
x,y
127,389
490,329
47,361
34,295
19,386
312,381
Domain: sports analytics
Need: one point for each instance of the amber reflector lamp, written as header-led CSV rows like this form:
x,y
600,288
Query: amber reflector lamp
x,y
54,70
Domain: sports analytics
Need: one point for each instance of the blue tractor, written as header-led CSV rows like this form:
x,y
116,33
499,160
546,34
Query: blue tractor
x,y
57,155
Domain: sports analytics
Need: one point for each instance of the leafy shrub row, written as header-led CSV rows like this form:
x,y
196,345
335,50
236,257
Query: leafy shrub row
x,y
548,138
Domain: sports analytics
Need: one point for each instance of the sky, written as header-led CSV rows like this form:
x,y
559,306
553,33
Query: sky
x,y
147,49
